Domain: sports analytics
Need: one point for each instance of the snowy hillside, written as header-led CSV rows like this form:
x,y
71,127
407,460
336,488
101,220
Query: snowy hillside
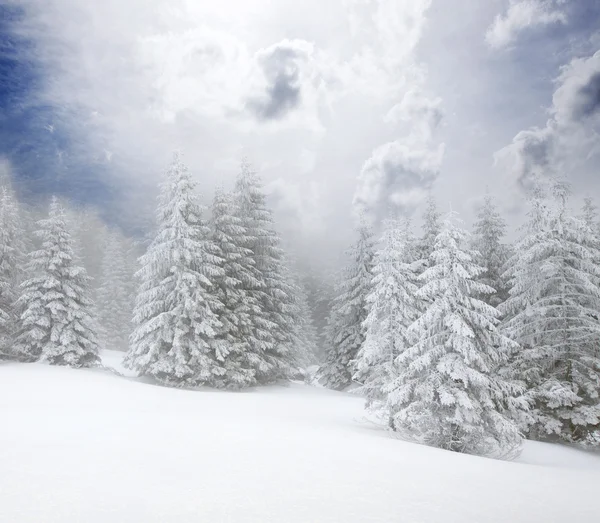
x,y
88,445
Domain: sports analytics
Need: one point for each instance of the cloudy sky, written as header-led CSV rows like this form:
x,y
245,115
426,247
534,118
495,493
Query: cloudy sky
x,y
342,105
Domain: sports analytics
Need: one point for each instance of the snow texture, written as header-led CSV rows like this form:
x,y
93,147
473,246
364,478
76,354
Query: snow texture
x,y
86,445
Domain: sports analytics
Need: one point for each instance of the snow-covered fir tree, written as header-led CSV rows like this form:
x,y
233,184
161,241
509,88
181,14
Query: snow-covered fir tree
x,y
176,310
305,333
308,338
589,214
447,393
320,304
318,292
552,312
114,301
393,307
271,337
349,310
489,231
431,228
55,324
12,257
235,289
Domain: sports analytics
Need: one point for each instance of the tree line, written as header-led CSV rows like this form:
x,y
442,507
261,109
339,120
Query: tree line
x,y
456,340
214,301
467,343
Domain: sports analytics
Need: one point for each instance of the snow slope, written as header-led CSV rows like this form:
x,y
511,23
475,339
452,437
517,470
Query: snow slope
x,y
90,446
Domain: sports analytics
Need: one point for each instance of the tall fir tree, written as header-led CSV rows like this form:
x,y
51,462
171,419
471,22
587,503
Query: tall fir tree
x,y
489,231
589,214
306,331
319,293
55,324
447,393
272,324
349,310
235,291
176,310
12,257
304,334
114,302
552,312
393,307
431,228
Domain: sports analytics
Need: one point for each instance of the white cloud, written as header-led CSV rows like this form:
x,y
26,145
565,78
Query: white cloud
x,y
398,176
400,172
569,136
365,79
423,113
523,15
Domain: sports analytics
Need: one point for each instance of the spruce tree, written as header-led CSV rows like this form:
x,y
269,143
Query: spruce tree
x,y
318,291
589,214
55,324
393,307
306,332
349,311
489,230
234,286
552,312
114,303
272,322
12,256
321,310
176,310
447,393
431,228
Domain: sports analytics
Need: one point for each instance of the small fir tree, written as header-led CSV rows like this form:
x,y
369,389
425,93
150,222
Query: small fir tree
x,y
176,310
447,393
349,311
55,324
393,307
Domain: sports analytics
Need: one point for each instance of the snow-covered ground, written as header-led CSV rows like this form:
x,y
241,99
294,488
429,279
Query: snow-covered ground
x,y
90,446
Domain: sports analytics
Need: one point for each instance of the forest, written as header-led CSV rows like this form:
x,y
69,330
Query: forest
x,y
457,340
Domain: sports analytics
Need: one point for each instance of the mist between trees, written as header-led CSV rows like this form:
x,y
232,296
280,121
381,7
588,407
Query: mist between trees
x,y
456,340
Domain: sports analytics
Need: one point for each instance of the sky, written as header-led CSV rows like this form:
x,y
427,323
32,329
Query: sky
x,y
345,107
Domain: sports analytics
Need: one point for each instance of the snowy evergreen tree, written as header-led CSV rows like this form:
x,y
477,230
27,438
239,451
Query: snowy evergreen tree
x,y
305,333
431,228
55,325
12,256
589,214
319,294
447,394
321,310
349,311
489,231
552,312
272,323
235,287
114,302
175,316
393,307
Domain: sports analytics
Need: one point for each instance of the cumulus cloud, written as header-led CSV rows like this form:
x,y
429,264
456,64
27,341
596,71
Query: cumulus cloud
x,y
397,176
577,97
400,172
424,113
569,135
523,15
530,154
282,65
